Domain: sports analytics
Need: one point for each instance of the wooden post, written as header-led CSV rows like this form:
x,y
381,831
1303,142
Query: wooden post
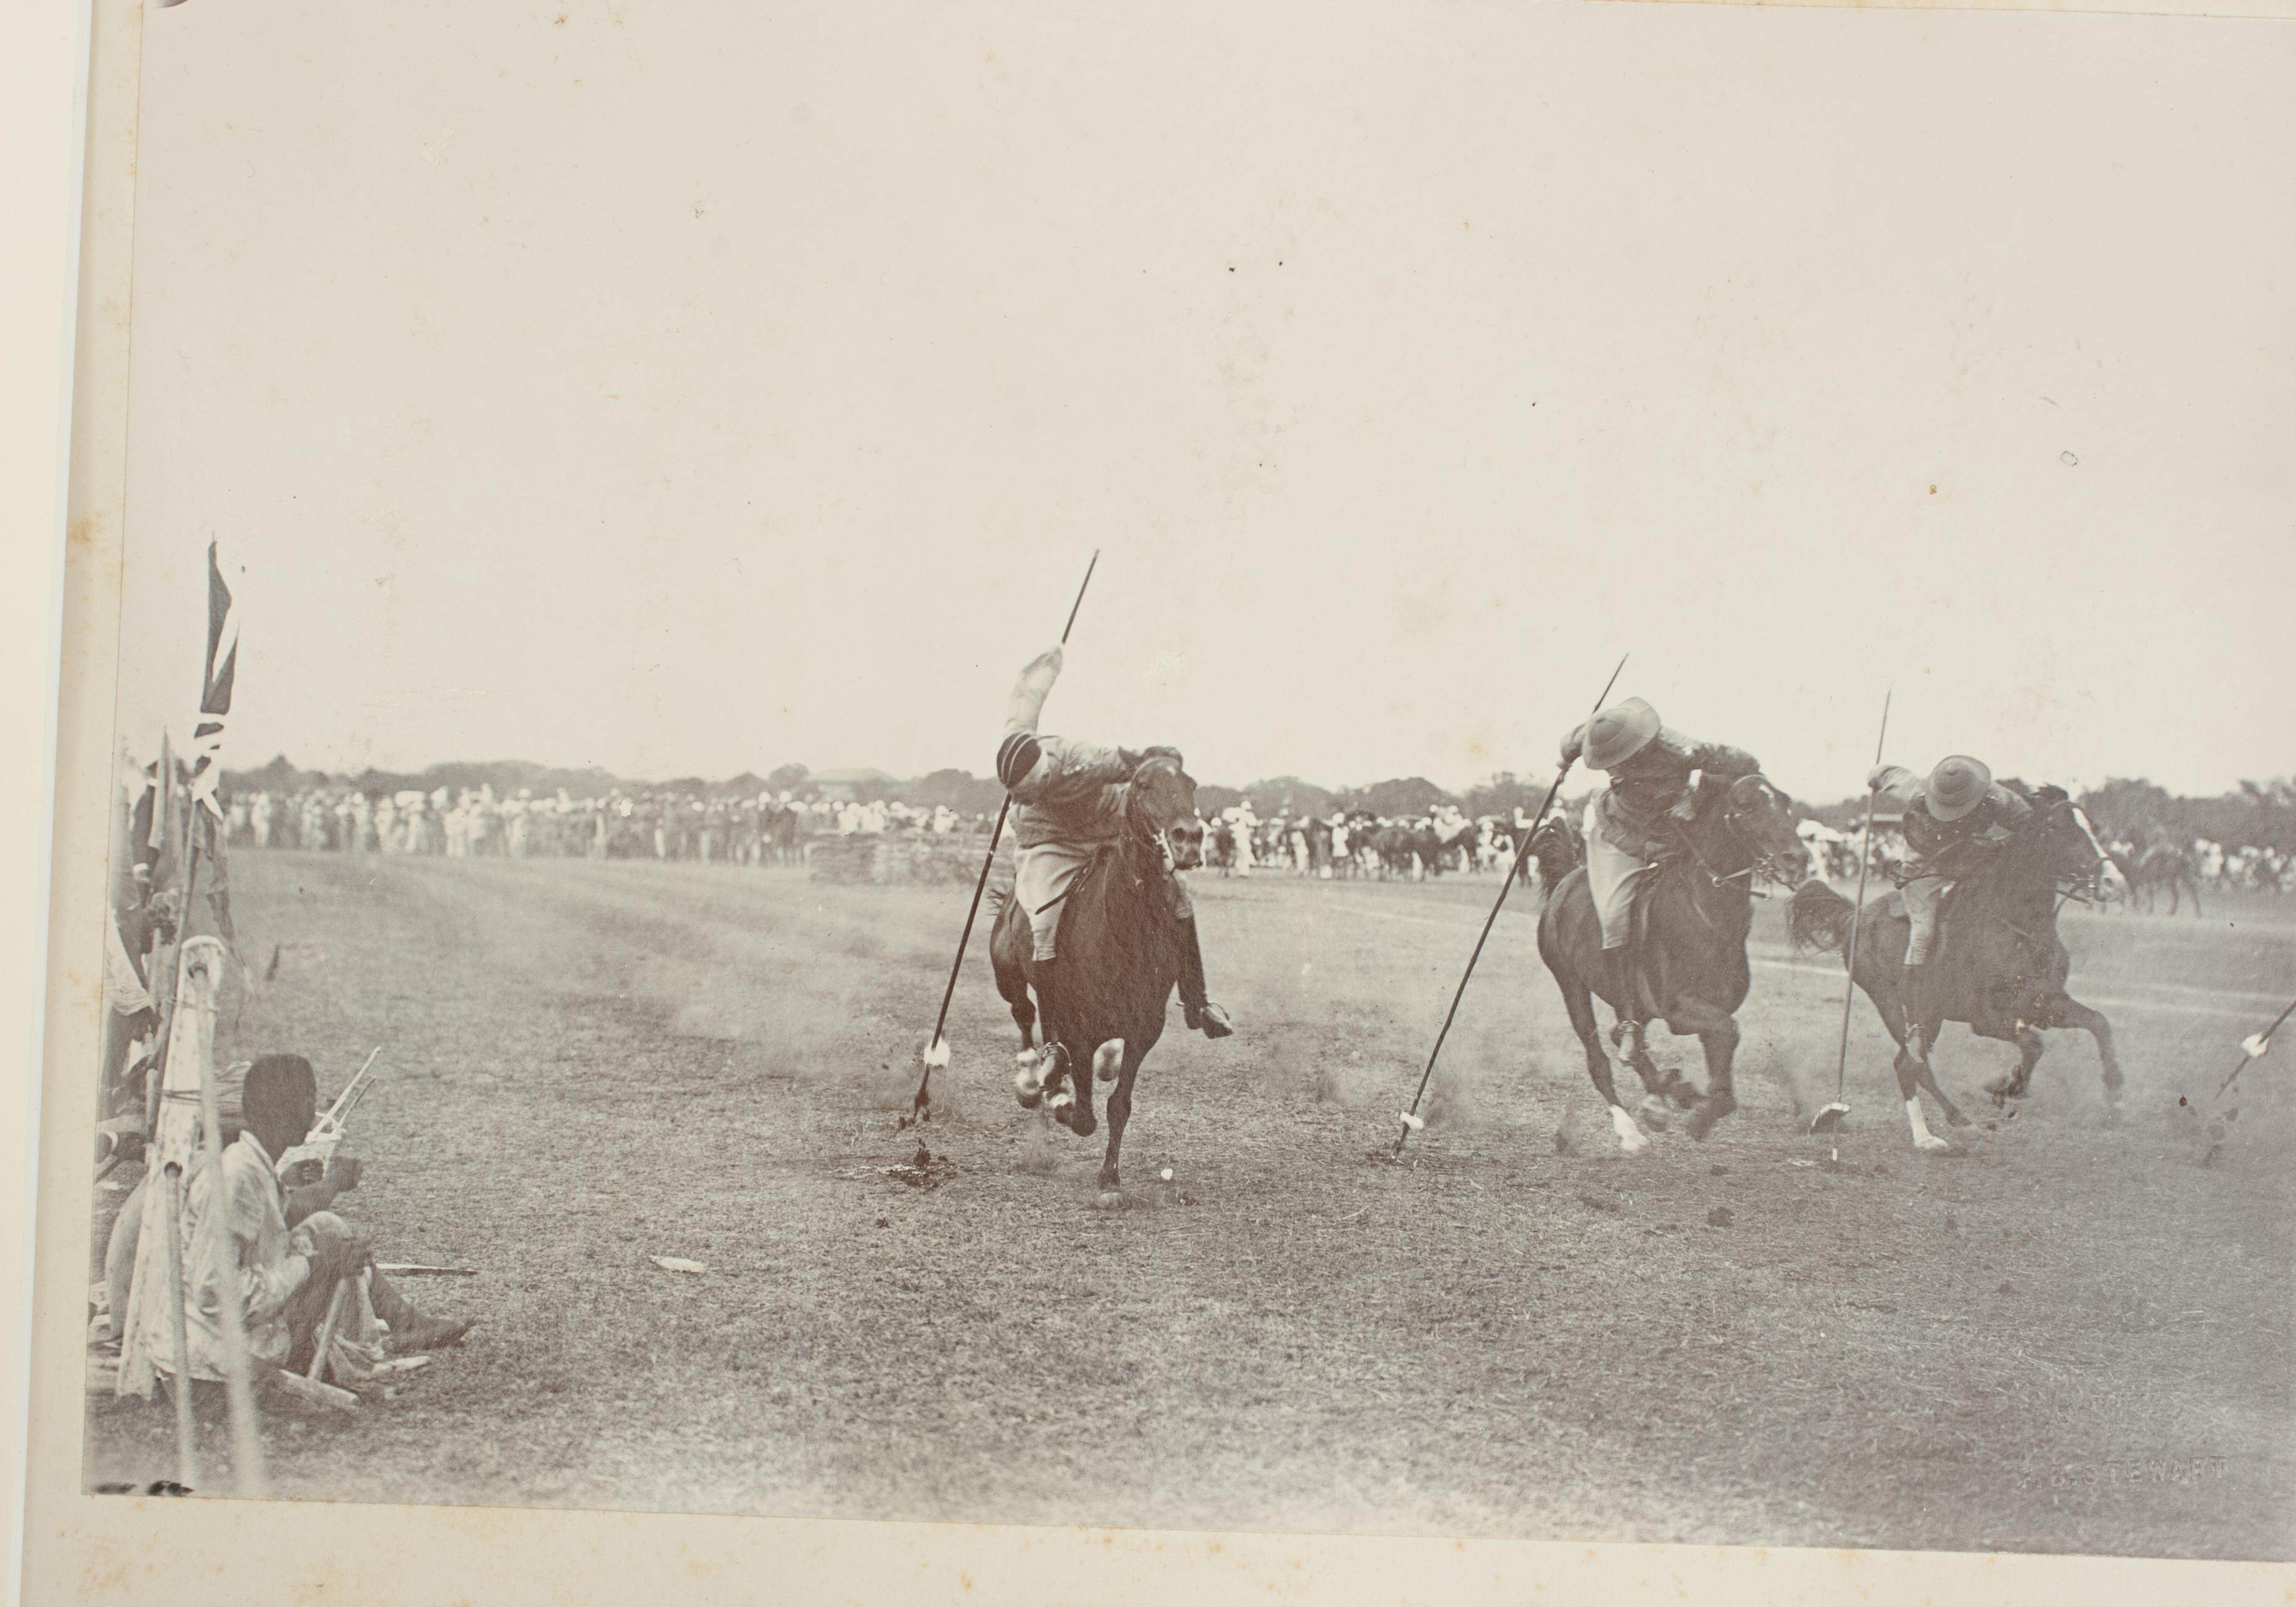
x,y
247,1443
187,1466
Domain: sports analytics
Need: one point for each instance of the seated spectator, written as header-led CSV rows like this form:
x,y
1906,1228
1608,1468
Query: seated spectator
x,y
287,1250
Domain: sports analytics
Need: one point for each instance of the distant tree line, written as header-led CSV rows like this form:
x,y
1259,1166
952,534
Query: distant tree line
x,y
2256,815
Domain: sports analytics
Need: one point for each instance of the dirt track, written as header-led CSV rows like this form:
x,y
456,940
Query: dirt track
x,y
2068,1336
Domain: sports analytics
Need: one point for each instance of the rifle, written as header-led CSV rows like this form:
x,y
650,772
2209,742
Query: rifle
x,y
307,1162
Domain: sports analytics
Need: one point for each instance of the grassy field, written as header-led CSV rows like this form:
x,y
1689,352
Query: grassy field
x,y
2070,1335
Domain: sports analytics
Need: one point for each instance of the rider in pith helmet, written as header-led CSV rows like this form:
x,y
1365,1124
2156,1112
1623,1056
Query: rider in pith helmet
x,y
1636,817
1069,798
1954,820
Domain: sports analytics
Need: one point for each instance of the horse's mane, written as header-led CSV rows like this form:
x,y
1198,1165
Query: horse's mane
x,y
2046,800
1558,849
2023,856
1708,795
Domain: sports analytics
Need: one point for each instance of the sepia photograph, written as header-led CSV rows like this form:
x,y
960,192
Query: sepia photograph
x,y
1507,771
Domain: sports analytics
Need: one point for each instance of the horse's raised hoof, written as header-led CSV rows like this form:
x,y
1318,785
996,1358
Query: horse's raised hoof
x,y
1108,1059
1026,1085
1073,1116
1716,1107
1651,1113
1631,1140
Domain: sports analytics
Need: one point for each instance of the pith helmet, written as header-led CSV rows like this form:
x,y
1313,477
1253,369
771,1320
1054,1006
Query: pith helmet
x,y
1617,734
1956,786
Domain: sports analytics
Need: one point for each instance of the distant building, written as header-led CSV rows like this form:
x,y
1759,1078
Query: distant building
x,y
847,786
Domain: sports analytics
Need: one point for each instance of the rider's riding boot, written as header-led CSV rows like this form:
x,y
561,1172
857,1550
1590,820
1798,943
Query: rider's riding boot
x,y
1626,992
1917,1010
1044,978
1199,1012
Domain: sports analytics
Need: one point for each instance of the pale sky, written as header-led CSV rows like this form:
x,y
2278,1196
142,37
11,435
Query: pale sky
x,y
700,388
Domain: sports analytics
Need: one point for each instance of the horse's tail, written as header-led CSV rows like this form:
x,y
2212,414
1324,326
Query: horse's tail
x,y
1818,917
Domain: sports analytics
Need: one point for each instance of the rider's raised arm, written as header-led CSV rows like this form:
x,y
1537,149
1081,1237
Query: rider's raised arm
x,y
1064,772
1895,784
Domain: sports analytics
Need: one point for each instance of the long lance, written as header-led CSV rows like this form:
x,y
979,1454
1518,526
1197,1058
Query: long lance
x,y
158,1074
1507,882
2254,1048
1829,1119
937,1049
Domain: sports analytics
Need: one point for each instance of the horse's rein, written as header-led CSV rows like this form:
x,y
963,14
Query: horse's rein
x,y
2064,887
1760,867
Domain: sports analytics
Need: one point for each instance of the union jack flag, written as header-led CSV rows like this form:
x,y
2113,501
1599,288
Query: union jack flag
x,y
215,688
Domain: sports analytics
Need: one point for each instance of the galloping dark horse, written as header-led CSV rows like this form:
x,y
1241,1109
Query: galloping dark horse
x,y
1400,846
1119,961
1696,907
1998,963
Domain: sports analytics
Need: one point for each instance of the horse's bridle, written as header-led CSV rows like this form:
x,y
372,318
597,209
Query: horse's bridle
x,y
2064,885
1159,838
2068,887
1765,863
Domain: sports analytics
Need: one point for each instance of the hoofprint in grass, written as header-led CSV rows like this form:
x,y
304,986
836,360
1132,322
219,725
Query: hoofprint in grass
x,y
924,1169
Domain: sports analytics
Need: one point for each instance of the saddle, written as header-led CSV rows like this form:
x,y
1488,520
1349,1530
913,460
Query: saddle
x,y
1646,1004
1941,940
1941,943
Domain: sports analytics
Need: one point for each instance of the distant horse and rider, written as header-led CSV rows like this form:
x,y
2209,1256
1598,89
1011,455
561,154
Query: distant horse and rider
x,y
1997,965
2156,868
1650,909
1121,957
1694,913
1406,850
1098,930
